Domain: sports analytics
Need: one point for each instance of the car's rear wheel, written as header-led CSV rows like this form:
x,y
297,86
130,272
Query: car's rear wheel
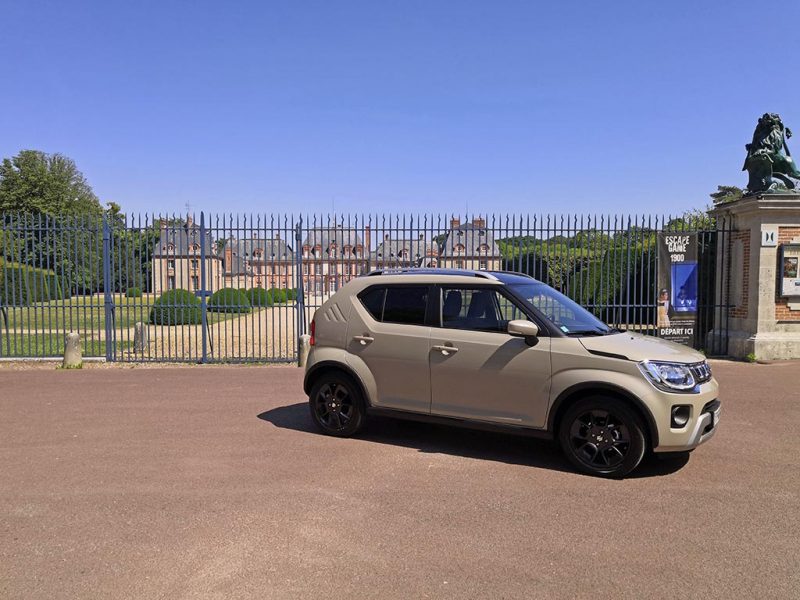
x,y
602,436
337,406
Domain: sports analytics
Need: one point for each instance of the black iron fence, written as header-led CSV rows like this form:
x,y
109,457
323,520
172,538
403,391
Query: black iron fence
x,y
243,287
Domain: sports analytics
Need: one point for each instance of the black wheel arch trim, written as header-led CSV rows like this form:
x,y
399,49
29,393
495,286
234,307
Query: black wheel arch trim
x,y
600,387
334,365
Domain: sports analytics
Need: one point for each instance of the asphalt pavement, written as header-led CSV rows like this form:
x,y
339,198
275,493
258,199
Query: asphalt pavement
x,y
210,482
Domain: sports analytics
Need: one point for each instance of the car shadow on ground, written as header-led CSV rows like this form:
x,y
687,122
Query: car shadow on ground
x,y
457,441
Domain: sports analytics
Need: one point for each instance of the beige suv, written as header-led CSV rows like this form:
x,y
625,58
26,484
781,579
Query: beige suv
x,y
504,351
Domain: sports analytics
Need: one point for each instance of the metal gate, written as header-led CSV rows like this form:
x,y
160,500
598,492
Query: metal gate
x,y
242,288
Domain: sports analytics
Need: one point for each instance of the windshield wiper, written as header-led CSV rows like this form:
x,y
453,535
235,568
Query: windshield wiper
x,y
588,332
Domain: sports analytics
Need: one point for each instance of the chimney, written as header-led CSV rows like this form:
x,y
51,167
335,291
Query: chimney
x,y
421,236
386,236
455,222
229,256
189,220
479,222
278,235
366,238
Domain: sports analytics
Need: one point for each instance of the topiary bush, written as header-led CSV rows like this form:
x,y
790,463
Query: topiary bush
x,y
229,300
278,295
259,297
176,307
133,292
291,294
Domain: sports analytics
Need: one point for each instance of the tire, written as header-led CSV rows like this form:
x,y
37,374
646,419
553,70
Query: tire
x,y
337,406
602,436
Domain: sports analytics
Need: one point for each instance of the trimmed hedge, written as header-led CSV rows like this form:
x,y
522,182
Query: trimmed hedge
x,y
229,300
278,295
133,292
21,285
259,297
176,307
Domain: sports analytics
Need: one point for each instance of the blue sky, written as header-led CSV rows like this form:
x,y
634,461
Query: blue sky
x,y
416,106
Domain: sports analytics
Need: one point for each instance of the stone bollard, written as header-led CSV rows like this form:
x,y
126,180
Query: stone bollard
x,y
304,348
140,337
72,352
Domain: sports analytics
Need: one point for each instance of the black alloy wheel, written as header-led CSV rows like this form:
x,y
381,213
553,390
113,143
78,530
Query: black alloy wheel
x,y
336,405
602,436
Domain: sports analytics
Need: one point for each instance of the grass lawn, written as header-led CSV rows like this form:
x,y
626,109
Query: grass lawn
x,y
49,344
87,313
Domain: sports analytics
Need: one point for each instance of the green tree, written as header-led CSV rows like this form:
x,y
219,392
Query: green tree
x,y
55,218
726,193
33,182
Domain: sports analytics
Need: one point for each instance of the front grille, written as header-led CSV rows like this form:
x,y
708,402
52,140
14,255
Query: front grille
x,y
701,371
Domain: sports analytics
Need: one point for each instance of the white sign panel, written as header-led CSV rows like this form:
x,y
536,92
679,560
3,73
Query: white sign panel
x,y
769,236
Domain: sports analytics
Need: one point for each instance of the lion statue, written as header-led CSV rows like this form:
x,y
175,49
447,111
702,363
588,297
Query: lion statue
x,y
769,162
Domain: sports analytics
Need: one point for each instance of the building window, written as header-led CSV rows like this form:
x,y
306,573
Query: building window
x,y
171,282
483,265
195,282
170,264
194,263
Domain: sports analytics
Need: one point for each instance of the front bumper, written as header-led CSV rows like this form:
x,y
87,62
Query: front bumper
x,y
698,431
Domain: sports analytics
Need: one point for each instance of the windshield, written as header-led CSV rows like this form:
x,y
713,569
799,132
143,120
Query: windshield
x,y
568,316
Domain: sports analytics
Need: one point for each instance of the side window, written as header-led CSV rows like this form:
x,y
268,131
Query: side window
x,y
477,309
405,305
372,299
510,311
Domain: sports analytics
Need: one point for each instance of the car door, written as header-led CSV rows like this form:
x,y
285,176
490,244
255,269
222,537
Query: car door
x,y
388,331
478,371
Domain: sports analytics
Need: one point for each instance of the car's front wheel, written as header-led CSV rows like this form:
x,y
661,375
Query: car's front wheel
x,y
602,436
336,405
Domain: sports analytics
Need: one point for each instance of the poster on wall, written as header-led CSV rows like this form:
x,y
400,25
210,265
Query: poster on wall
x,y
790,278
677,287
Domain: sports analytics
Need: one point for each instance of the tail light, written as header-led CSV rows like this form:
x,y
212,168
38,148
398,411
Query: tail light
x,y
313,341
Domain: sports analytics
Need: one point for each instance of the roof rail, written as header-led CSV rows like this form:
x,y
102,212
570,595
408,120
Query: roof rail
x,y
432,271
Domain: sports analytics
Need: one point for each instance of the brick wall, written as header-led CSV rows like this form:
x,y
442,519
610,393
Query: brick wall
x,y
782,312
740,310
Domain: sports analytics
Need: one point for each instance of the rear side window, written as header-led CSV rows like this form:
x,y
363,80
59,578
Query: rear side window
x,y
405,305
372,300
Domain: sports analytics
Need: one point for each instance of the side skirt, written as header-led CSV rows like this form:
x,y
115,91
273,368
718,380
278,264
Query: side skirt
x,y
465,423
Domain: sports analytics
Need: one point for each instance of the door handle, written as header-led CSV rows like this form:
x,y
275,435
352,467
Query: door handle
x,y
363,339
446,350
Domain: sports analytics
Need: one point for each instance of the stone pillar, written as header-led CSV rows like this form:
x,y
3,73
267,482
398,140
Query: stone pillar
x,y
140,337
761,323
73,358
304,349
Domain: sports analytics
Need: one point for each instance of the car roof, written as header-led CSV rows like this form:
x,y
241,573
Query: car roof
x,y
506,277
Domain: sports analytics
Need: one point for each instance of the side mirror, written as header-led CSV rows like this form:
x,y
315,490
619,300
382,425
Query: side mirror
x,y
524,329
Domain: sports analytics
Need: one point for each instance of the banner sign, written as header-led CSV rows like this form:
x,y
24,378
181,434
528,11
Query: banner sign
x,y
677,286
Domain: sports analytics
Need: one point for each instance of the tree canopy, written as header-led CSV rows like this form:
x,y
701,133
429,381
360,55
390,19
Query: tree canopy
x,y
726,193
33,182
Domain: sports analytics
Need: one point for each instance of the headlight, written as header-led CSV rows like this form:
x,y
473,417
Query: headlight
x,y
667,376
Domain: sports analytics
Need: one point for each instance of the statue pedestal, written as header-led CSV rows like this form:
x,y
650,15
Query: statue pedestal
x,y
761,322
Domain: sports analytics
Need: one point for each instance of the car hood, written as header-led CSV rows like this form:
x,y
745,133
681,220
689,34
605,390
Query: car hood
x,y
634,346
